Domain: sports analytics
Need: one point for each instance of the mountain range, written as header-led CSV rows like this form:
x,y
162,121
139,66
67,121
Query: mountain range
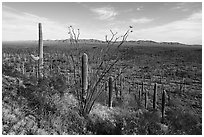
x,y
95,41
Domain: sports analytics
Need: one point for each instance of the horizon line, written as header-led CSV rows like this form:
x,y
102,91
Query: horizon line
x,y
104,41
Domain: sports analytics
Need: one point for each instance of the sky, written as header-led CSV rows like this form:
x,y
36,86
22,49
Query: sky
x,y
157,21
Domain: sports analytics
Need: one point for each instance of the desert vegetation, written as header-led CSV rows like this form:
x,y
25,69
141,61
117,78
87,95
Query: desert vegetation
x,y
114,87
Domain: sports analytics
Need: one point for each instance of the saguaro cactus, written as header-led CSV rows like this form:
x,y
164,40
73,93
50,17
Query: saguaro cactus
x,y
23,68
84,74
36,71
155,96
142,88
106,86
116,89
40,50
4,55
163,102
184,85
129,90
146,99
139,94
121,84
137,86
110,85
106,90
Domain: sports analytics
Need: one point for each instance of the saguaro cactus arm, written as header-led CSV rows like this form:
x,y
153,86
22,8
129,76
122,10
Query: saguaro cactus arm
x,y
34,57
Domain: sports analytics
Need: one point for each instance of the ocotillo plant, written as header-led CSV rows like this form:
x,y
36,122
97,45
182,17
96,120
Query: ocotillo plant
x,y
40,50
110,85
84,75
146,99
163,103
155,96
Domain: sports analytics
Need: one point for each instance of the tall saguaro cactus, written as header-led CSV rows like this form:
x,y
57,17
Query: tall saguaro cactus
x,y
155,96
139,94
146,99
163,102
40,51
84,74
110,85
23,68
116,89
142,88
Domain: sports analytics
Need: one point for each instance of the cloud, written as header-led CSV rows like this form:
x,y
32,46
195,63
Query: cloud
x,y
182,6
141,20
188,30
128,10
18,25
195,16
139,8
105,13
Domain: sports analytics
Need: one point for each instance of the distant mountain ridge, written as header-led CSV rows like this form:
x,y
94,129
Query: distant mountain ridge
x,y
96,41
131,41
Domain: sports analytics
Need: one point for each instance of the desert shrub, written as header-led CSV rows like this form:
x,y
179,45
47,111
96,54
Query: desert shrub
x,y
99,126
144,122
150,123
63,124
130,121
140,122
118,102
54,112
182,121
103,98
10,70
103,120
